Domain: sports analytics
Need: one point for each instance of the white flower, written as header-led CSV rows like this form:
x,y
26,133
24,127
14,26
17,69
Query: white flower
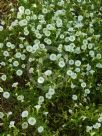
x,y
48,95
51,91
91,53
15,84
83,85
1,28
23,22
59,22
84,47
88,128
12,124
90,46
77,63
21,9
71,62
37,107
80,18
40,129
15,63
73,75
24,125
4,77
69,72
87,91
32,121
8,44
1,115
31,70
48,72
27,11
6,53
29,48
100,119
97,125
19,72
23,57
40,80
61,64
41,99
24,114
77,69
1,89
70,111
6,95
53,57
74,97
44,10
20,97
72,38
98,56
18,55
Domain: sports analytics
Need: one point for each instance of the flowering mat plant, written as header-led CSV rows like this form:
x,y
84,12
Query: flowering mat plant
x,y
51,68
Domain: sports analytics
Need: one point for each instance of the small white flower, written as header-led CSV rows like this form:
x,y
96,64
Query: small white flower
x,y
6,53
48,72
72,38
97,125
31,70
37,107
6,95
29,48
24,114
59,22
98,56
77,63
74,97
80,18
69,72
44,10
23,22
40,80
71,62
88,128
100,119
15,63
51,91
1,115
48,95
27,11
1,28
83,84
40,129
1,89
12,124
20,97
87,91
77,69
15,84
18,55
41,99
32,121
21,9
73,75
91,53
24,125
61,64
19,72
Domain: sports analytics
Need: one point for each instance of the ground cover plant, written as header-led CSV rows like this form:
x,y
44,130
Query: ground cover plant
x,y
51,68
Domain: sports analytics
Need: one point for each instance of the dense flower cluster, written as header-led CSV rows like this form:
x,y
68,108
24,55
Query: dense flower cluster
x,y
51,56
